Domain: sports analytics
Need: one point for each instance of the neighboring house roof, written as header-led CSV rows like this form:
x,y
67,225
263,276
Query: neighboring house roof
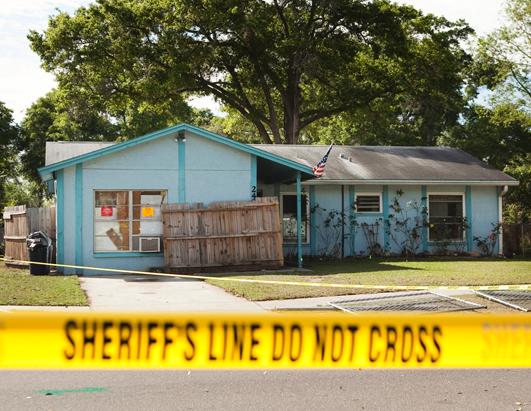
x,y
46,171
57,151
388,165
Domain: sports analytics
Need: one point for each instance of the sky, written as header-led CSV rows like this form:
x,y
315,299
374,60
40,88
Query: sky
x,y
23,81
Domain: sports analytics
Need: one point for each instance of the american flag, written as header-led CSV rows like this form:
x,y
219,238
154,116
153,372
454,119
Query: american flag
x,y
318,170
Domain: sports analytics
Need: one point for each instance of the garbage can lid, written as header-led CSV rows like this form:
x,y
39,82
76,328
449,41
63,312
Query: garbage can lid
x,y
38,237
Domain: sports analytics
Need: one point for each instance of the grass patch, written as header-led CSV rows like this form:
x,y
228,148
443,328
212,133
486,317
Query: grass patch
x,y
381,271
18,287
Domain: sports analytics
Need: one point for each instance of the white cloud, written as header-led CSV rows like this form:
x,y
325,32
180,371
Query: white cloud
x,y
22,81
483,16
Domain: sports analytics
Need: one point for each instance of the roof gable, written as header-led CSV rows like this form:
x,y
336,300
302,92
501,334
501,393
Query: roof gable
x,y
46,171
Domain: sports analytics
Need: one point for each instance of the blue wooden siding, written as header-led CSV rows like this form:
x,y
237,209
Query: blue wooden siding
x,y
484,211
213,172
69,217
217,172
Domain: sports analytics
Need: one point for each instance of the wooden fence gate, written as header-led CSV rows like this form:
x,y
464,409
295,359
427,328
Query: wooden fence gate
x,y
242,235
19,222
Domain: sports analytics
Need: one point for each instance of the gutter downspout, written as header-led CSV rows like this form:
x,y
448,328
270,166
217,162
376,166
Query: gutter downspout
x,y
500,217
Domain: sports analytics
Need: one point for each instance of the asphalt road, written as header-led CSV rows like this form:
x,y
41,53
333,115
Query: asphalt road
x,y
268,390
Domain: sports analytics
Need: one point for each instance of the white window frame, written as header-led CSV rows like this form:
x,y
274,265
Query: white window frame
x,y
368,194
308,228
130,213
446,193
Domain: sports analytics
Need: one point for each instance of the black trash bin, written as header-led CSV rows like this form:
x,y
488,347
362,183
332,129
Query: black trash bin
x,y
40,251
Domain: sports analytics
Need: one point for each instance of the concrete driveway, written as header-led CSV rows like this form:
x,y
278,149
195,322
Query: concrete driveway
x,y
137,293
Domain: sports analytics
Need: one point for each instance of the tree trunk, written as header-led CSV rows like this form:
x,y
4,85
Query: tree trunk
x,y
292,100
263,132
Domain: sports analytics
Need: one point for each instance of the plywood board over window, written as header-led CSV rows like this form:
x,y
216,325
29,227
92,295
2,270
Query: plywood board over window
x,y
123,218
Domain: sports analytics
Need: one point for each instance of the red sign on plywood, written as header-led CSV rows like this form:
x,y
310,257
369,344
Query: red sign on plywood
x,y
106,211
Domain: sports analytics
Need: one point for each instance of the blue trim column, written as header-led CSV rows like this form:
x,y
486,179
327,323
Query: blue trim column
x,y
468,207
385,210
254,178
313,220
79,216
352,212
424,205
181,147
299,220
59,220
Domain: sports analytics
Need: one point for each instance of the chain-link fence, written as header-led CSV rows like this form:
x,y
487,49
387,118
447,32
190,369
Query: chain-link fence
x,y
517,239
519,300
423,301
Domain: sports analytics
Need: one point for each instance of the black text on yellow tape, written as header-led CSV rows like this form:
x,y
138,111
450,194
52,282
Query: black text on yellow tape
x,y
271,340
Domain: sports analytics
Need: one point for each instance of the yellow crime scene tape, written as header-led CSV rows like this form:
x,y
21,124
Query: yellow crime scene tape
x,y
84,340
523,287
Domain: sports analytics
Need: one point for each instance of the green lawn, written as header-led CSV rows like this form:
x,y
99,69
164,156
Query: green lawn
x,y
457,271
18,287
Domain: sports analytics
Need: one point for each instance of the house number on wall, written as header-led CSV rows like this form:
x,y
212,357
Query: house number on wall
x,y
253,192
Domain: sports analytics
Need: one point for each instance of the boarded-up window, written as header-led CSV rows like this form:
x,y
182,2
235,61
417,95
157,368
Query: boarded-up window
x,y
122,218
446,222
368,203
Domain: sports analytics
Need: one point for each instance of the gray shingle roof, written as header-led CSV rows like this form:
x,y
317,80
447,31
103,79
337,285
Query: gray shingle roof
x,y
57,151
360,164
366,164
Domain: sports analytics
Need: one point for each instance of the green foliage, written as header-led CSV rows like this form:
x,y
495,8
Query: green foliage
x,y
445,246
371,234
518,199
8,134
22,192
487,243
330,227
496,135
282,65
405,224
502,60
57,117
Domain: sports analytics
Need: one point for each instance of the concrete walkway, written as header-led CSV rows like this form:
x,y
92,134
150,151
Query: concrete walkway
x,y
137,293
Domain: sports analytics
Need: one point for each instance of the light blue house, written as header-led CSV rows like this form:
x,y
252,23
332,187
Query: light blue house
x,y
370,199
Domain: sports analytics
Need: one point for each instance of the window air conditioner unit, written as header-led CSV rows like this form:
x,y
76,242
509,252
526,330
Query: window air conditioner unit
x,y
150,244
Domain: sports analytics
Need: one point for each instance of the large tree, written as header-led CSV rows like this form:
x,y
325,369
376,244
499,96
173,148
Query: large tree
x,y
500,133
8,134
62,115
497,134
503,58
55,117
281,64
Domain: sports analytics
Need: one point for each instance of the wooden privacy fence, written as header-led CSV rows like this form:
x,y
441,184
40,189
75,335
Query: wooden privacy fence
x,y
242,235
19,222
517,239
